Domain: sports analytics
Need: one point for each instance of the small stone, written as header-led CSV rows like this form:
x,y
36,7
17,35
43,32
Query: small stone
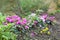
x,y
48,22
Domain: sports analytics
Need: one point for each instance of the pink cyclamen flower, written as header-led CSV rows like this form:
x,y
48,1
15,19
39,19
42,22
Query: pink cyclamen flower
x,y
21,23
44,16
18,18
35,22
26,27
32,34
24,22
42,19
11,20
24,19
7,18
18,22
52,18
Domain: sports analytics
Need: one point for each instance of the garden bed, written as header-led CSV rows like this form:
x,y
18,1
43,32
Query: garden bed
x,y
31,27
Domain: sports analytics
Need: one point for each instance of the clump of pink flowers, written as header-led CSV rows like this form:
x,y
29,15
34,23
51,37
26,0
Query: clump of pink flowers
x,y
44,17
13,18
23,21
51,18
16,19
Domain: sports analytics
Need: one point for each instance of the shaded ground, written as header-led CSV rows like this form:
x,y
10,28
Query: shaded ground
x,y
57,27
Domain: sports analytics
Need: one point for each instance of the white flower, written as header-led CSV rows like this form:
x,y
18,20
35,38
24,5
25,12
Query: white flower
x,y
31,15
42,19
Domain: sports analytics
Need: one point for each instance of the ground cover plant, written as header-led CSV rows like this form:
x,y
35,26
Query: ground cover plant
x,y
13,27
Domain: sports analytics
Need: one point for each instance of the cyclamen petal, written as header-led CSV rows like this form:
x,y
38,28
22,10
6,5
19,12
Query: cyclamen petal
x,y
42,19
26,27
52,18
15,16
10,20
24,19
21,23
24,22
18,22
44,16
32,34
7,18
18,18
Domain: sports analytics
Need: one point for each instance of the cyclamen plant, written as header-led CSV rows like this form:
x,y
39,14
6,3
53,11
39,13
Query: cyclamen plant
x,y
31,20
30,23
